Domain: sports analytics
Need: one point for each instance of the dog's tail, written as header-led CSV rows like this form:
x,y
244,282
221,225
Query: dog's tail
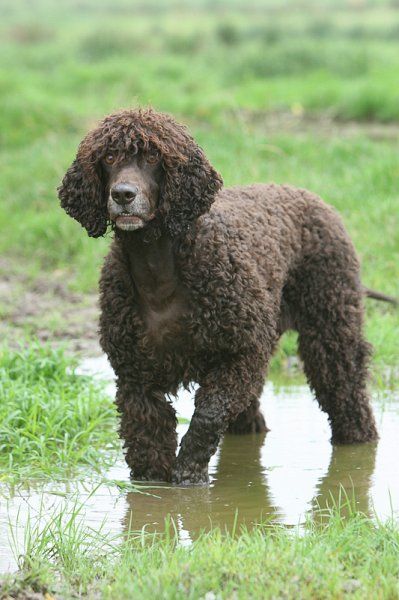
x,y
379,296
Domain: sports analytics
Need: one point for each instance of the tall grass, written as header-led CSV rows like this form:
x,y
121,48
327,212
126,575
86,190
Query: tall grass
x,y
52,421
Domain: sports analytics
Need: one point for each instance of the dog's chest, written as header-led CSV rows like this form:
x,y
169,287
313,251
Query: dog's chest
x,y
164,308
164,324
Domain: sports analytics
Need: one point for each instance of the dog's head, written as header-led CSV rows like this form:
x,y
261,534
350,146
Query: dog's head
x,y
137,168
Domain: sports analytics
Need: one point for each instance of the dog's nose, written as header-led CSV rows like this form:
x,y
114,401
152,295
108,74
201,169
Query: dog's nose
x,y
123,193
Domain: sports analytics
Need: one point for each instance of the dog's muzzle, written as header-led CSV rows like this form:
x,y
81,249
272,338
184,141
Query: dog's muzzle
x,y
128,207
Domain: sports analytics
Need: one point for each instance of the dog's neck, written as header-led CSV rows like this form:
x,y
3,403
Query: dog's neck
x,y
152,267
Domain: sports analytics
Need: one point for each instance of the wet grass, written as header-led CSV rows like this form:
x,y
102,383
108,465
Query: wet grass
x,y
53,422
344,556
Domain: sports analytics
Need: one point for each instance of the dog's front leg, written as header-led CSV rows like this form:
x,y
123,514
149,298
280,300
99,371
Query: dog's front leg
x,y
148,428
223,394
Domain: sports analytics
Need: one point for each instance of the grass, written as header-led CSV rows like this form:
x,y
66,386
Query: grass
x,y
53,422
345,556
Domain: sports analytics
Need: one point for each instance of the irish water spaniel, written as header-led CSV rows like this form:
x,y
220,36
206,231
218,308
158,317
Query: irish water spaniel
x,y
200,283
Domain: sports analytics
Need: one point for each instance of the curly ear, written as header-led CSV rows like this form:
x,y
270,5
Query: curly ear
x,y
81,197
188,191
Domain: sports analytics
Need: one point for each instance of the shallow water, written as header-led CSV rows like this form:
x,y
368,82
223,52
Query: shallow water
x,y
281,477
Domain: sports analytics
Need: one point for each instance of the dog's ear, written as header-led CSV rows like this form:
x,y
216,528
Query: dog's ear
x,y
188,191
81,196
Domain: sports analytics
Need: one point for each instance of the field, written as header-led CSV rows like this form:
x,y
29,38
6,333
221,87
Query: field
x,y
298,92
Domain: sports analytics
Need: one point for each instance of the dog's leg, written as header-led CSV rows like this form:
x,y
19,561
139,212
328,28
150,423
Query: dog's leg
x,y
335,354
224,393
148,428
251,420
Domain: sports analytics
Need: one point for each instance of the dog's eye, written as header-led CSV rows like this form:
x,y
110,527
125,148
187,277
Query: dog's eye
x,y
109,158
152,157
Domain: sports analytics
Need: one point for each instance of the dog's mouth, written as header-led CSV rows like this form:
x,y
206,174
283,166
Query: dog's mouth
x,y
129,222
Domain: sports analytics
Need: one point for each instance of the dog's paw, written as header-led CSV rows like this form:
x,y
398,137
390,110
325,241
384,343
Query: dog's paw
x,y
190,475
355,434
150,477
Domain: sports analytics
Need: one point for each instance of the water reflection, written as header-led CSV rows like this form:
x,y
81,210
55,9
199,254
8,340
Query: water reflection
x,y
239,481
240,492
348,479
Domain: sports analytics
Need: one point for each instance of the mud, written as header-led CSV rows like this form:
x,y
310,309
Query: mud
x,y
44,307
299,121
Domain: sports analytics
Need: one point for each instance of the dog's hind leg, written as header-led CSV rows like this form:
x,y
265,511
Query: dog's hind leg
x,y
251,420
329,314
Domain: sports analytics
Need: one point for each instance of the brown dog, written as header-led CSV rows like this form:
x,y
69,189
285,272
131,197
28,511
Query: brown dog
x,y
199,285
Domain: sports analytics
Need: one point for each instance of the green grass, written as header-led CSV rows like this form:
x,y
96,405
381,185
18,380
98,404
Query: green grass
x,y
344,556
315,59
53,422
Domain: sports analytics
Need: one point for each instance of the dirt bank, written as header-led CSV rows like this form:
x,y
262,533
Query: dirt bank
x,y
46,308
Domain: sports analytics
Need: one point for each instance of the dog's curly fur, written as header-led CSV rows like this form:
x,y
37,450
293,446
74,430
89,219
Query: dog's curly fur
x,y
253,261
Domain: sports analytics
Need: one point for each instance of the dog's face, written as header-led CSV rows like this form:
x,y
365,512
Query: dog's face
x,y
136,169
132,188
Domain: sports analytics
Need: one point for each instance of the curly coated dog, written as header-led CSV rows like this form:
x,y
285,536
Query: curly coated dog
x,y
199,285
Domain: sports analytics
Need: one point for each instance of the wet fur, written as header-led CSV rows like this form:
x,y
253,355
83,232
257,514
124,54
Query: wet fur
x,y
240,266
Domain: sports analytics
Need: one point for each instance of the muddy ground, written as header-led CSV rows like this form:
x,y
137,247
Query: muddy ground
x,y
44,307
298,121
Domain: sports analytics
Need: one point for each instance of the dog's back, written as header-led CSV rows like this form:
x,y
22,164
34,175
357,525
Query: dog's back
x,y
274,227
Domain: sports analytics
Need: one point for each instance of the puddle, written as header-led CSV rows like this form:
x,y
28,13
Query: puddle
x,y
280,477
